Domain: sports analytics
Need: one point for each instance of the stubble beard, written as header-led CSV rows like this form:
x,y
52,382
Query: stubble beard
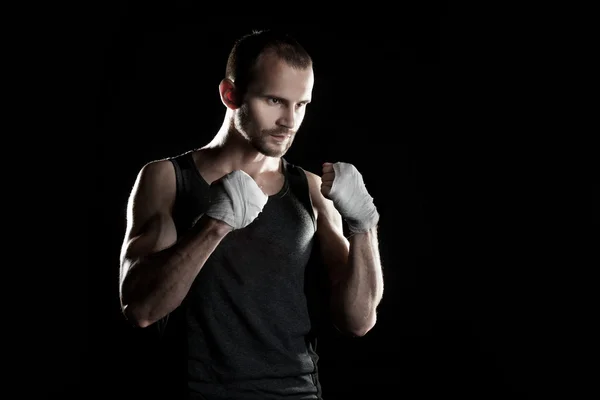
x,y
259,139
261,143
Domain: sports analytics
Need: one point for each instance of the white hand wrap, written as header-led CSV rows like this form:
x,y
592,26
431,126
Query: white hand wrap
x,y
236,199
350,197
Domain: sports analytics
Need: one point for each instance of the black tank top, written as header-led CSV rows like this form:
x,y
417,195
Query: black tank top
x,y
247,328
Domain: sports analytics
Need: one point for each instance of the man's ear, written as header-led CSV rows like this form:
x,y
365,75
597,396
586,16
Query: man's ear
x,y
229,94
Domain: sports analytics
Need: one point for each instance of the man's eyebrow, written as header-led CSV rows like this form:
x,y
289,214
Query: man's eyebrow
x,y
284,99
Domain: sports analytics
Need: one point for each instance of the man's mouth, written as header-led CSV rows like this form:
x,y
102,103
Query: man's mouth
x,y
281,136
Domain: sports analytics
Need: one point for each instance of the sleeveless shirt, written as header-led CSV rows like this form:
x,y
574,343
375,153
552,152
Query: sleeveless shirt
x,y
247,328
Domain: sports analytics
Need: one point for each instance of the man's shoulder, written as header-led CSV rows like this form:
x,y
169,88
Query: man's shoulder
x,y
164,168
156,170
181,158
297,168
313,180
187,154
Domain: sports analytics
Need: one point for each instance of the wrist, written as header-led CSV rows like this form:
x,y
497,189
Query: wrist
x,y
368,219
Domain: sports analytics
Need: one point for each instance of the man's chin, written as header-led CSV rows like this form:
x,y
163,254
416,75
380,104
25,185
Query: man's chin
x,y
270,151
273,153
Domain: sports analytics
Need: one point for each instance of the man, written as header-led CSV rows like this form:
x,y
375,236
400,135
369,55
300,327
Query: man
x,y
219,240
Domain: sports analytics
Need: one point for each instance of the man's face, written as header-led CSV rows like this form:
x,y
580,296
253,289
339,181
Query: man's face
x,y
274,105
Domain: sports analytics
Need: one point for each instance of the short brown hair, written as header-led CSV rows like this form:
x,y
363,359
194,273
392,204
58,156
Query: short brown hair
x,y
246,50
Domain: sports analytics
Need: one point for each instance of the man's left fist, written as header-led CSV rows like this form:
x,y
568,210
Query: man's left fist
x,y
343,184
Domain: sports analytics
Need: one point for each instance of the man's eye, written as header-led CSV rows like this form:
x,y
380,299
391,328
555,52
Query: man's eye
x,y
274,100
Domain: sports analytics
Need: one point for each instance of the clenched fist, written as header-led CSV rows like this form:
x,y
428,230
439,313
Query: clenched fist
x,y
236,199
344,186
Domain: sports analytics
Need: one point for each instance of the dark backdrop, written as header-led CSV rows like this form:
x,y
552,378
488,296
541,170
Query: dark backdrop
x,y
456,315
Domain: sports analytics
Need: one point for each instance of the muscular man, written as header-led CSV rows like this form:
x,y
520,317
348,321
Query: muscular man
x,y
219,240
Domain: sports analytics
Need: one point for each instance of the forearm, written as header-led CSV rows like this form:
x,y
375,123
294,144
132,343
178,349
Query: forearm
x,y
358,294
157,284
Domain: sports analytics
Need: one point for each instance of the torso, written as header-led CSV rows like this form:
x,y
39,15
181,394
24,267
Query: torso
x,y
272,332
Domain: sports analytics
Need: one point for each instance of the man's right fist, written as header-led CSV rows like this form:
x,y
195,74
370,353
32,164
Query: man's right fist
x,y
236,199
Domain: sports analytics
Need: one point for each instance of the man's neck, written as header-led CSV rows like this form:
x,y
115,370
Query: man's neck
x,y
230,152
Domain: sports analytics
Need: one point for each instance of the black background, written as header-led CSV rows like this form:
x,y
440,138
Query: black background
x,y
458,317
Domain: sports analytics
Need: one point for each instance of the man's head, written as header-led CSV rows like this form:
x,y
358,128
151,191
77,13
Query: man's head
x,y
268,83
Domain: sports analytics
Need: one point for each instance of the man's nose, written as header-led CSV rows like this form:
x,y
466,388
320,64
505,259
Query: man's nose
x,y
288,118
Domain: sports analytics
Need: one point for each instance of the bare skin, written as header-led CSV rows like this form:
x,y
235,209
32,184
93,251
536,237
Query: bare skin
x,y
354,265
158,268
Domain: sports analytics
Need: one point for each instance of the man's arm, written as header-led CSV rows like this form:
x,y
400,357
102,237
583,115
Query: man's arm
x,y
157,267
354,266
